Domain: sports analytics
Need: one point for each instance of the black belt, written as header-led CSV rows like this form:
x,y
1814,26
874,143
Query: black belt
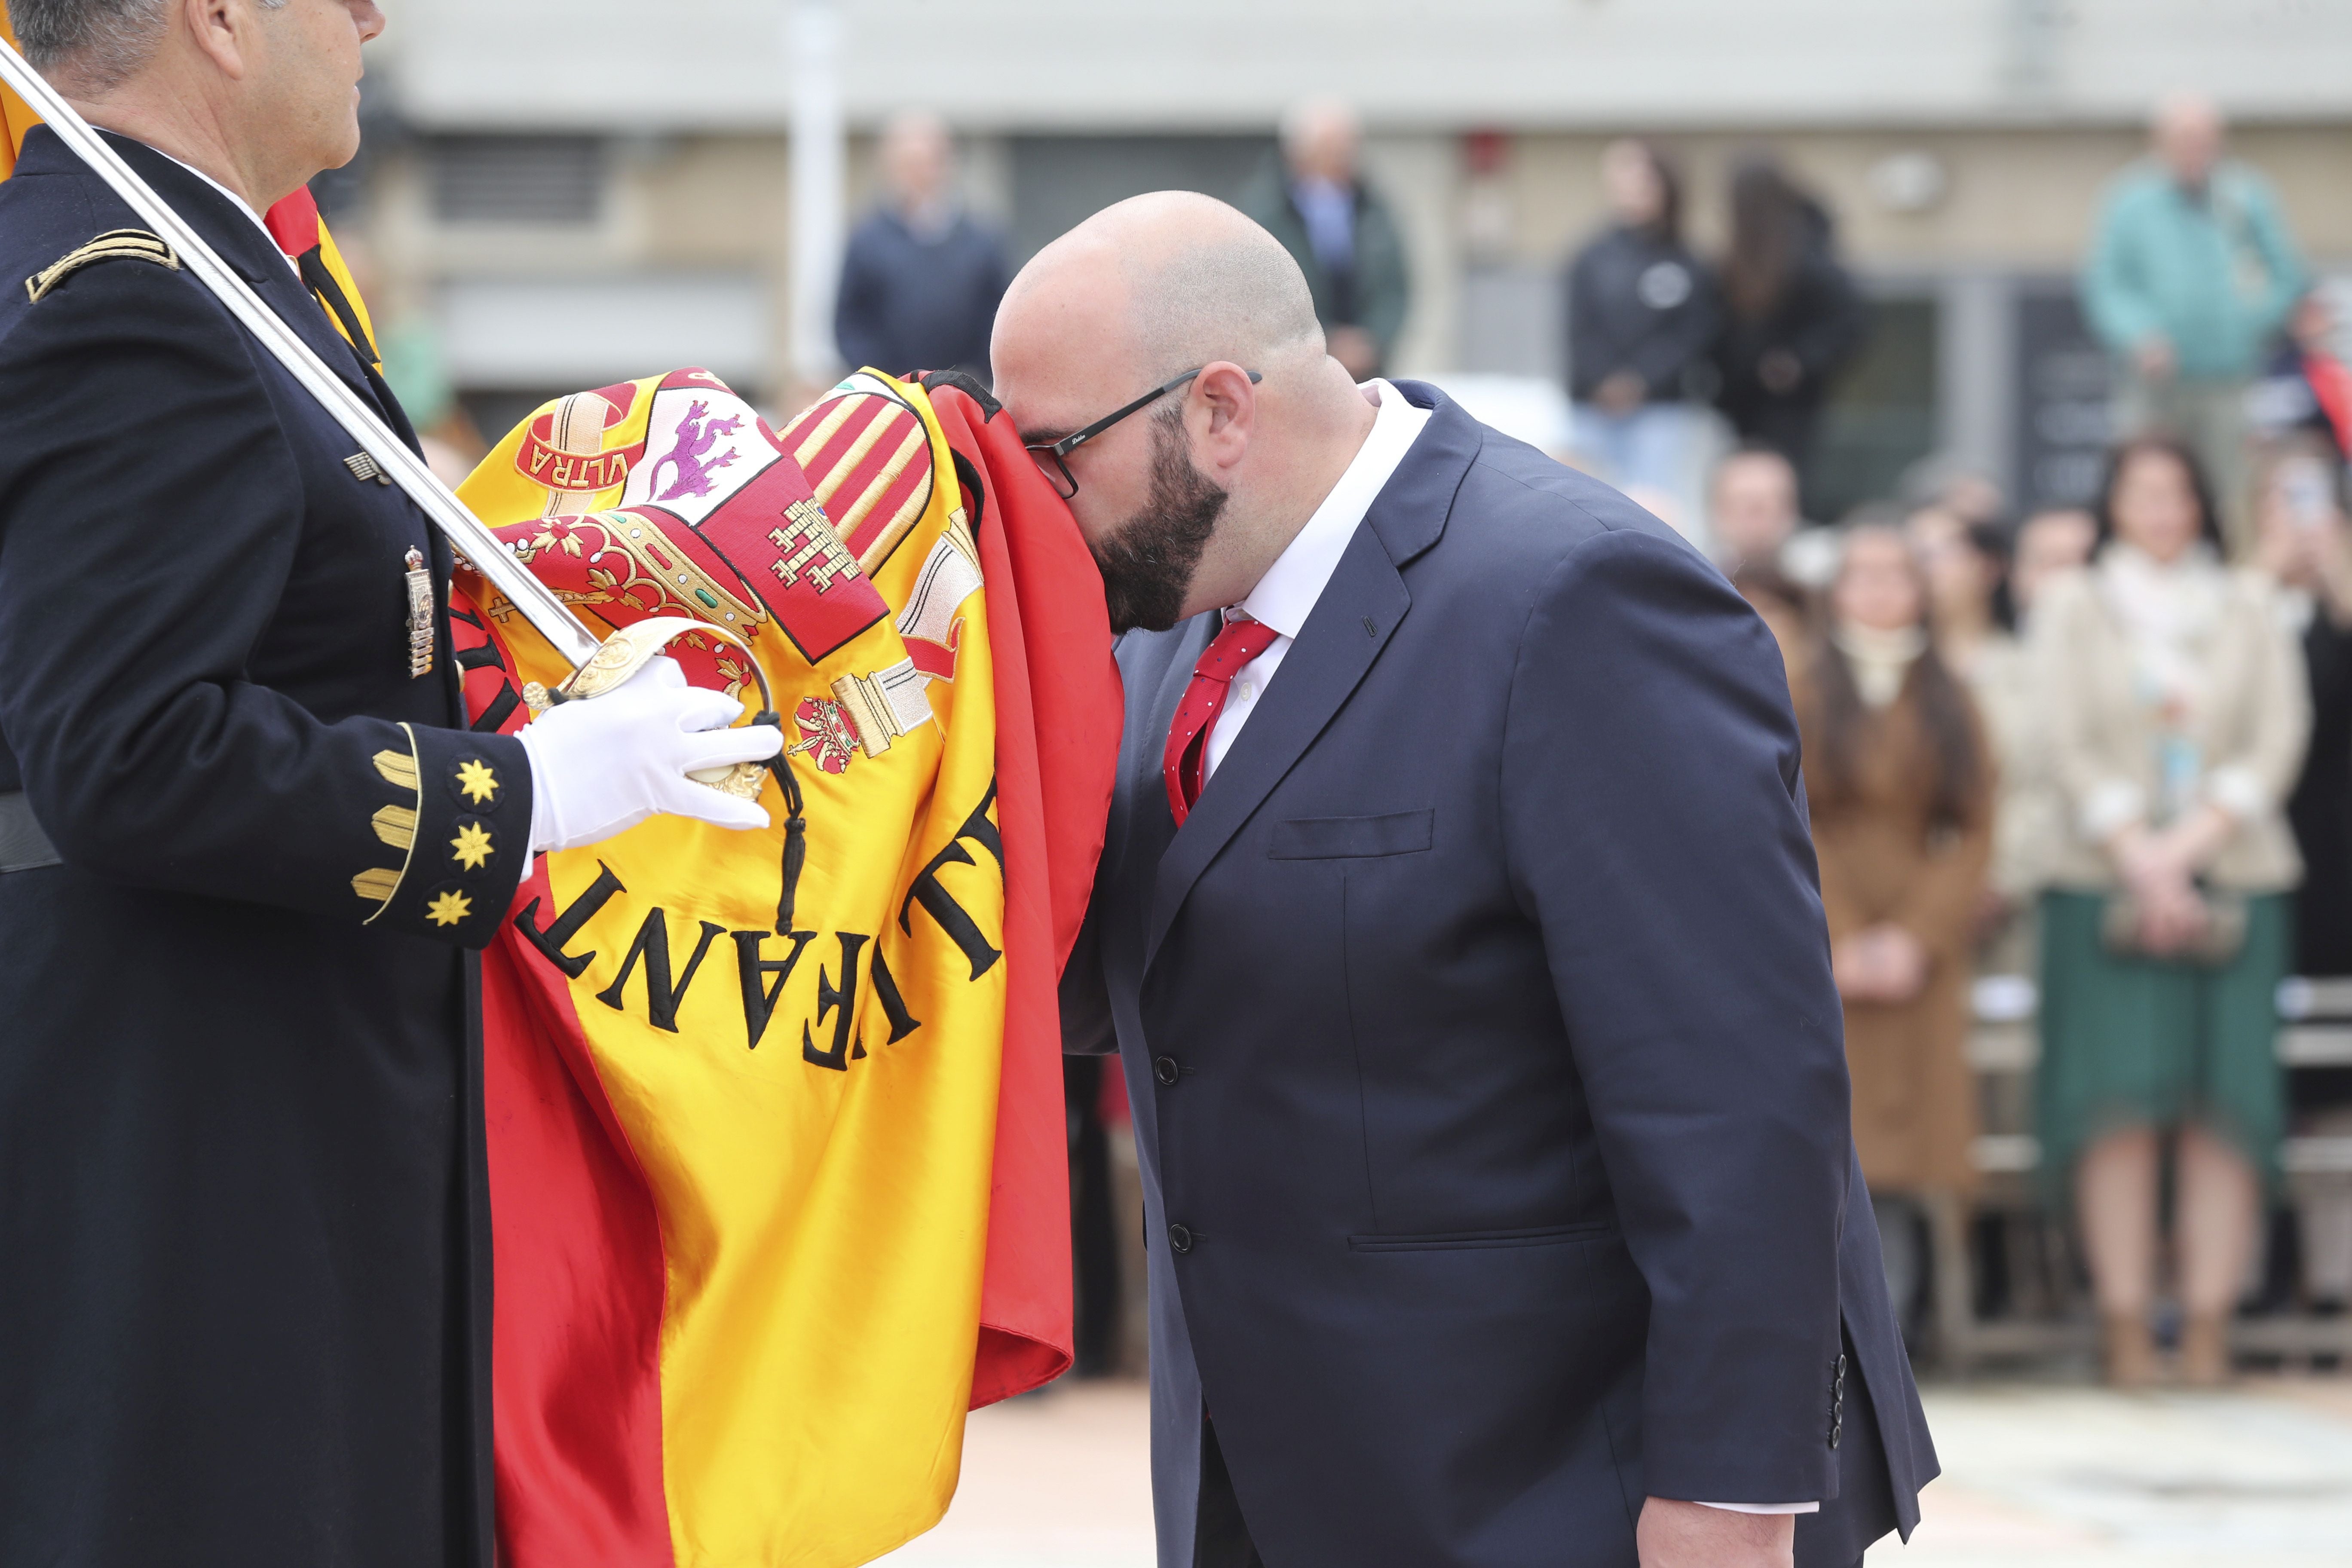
x,y
22,845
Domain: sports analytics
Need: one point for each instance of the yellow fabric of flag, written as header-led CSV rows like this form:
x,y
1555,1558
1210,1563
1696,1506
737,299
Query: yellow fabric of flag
x,y
812,1111
332,256
15,115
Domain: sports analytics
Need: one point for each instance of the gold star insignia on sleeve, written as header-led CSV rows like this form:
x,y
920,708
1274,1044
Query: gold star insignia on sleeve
x,y
448,909
473,846
474,777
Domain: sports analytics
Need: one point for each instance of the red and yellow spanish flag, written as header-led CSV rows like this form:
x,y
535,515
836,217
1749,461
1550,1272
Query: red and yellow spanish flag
x,y
779,1194
16,116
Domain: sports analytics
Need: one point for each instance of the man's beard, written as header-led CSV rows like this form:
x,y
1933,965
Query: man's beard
x,y
1147,566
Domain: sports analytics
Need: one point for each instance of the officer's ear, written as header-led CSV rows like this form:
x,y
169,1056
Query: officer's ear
x,y
222,32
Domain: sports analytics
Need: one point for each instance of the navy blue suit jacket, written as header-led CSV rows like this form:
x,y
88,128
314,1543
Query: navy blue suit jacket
x,y
1487,1072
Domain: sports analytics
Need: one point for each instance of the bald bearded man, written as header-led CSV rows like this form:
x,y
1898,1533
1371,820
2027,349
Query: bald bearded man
x,y
1458,928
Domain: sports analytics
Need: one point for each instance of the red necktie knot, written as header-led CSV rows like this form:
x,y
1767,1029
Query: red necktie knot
x,y
1186,763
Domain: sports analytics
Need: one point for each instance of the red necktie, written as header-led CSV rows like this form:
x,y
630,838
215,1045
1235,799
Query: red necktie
x,y
1237,647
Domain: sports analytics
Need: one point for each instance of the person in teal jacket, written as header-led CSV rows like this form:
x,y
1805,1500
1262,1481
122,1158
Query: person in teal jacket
x,y
2191,273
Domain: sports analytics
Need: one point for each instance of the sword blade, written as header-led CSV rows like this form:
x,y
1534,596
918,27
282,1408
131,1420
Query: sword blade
x,y
549,615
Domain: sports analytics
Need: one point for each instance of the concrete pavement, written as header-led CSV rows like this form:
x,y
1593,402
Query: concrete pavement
x,y
2035,1476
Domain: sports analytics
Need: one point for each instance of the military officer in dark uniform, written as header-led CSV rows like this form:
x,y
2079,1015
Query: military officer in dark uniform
x,y
246,843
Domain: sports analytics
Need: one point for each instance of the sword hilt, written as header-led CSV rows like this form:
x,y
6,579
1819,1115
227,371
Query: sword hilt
x,y
629,650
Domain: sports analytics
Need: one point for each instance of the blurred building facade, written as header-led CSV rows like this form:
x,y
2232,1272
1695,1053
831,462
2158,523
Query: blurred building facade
x,y
570,195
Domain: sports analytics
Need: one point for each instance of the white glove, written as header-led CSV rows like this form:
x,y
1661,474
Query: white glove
x,y
604,765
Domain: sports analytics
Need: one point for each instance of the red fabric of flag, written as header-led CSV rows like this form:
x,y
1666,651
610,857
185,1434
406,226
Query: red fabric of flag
x,y
1058,707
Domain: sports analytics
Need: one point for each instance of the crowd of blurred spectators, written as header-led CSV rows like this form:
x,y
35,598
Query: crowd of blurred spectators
x,y
2110,748
2102,738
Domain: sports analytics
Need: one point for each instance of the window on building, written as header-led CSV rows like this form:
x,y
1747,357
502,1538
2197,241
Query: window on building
x,y
1882,414
550,181
2061,398
1058,182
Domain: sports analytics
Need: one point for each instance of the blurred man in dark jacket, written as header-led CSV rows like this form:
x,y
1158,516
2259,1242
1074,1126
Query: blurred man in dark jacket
x,y
921,280
1338,230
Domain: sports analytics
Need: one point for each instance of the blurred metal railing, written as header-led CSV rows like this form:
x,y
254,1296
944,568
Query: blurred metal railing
x,y
2004,1048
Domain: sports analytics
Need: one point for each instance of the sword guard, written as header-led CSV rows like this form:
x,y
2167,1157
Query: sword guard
x,y
629,650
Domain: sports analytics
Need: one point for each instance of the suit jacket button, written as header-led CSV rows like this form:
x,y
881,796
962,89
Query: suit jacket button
x,y
1837,1430
1180,1239
1166,1071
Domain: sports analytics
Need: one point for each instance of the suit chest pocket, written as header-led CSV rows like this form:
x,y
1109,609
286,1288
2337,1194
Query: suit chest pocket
x,y
1353,838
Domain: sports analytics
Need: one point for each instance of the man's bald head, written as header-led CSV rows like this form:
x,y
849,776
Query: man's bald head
x,y
1180,279
1199,496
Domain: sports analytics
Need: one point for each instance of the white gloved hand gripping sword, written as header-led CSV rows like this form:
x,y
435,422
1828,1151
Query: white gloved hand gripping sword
x,y
597,667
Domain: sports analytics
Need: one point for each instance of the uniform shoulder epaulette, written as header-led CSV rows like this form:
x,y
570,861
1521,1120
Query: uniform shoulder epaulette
x,y
135,244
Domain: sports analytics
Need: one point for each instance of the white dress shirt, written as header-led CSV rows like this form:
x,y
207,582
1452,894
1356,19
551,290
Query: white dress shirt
x,y
240,202
1285,596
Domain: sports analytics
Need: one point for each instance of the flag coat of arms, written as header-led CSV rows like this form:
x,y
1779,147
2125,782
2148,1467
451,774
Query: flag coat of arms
x,y
780,1191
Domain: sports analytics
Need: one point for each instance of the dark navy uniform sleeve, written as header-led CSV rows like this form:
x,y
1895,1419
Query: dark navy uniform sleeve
x,y
152,510
1656,831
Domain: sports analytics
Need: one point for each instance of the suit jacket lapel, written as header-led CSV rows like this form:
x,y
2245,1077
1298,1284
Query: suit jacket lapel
x,y
1351,623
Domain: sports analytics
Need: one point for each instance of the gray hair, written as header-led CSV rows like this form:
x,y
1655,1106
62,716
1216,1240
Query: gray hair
x,y
99,43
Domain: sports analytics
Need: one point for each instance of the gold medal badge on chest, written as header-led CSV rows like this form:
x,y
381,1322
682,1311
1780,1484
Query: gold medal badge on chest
x,y
420,616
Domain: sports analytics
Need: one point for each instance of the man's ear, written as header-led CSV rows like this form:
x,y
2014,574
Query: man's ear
x,y
220,31
1225,392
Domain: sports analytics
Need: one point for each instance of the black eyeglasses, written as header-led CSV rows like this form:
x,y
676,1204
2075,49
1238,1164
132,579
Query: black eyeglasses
x,y
1050,454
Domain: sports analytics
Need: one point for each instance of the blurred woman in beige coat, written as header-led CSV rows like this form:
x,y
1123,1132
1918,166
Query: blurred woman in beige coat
x,y
1900,782
2177,720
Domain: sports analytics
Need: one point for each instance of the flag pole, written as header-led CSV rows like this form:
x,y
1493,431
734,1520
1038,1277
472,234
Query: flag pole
x,y
813,48
488,554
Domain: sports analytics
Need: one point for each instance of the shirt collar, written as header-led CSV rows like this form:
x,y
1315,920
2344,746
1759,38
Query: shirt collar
x,y
237,202
1286,595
